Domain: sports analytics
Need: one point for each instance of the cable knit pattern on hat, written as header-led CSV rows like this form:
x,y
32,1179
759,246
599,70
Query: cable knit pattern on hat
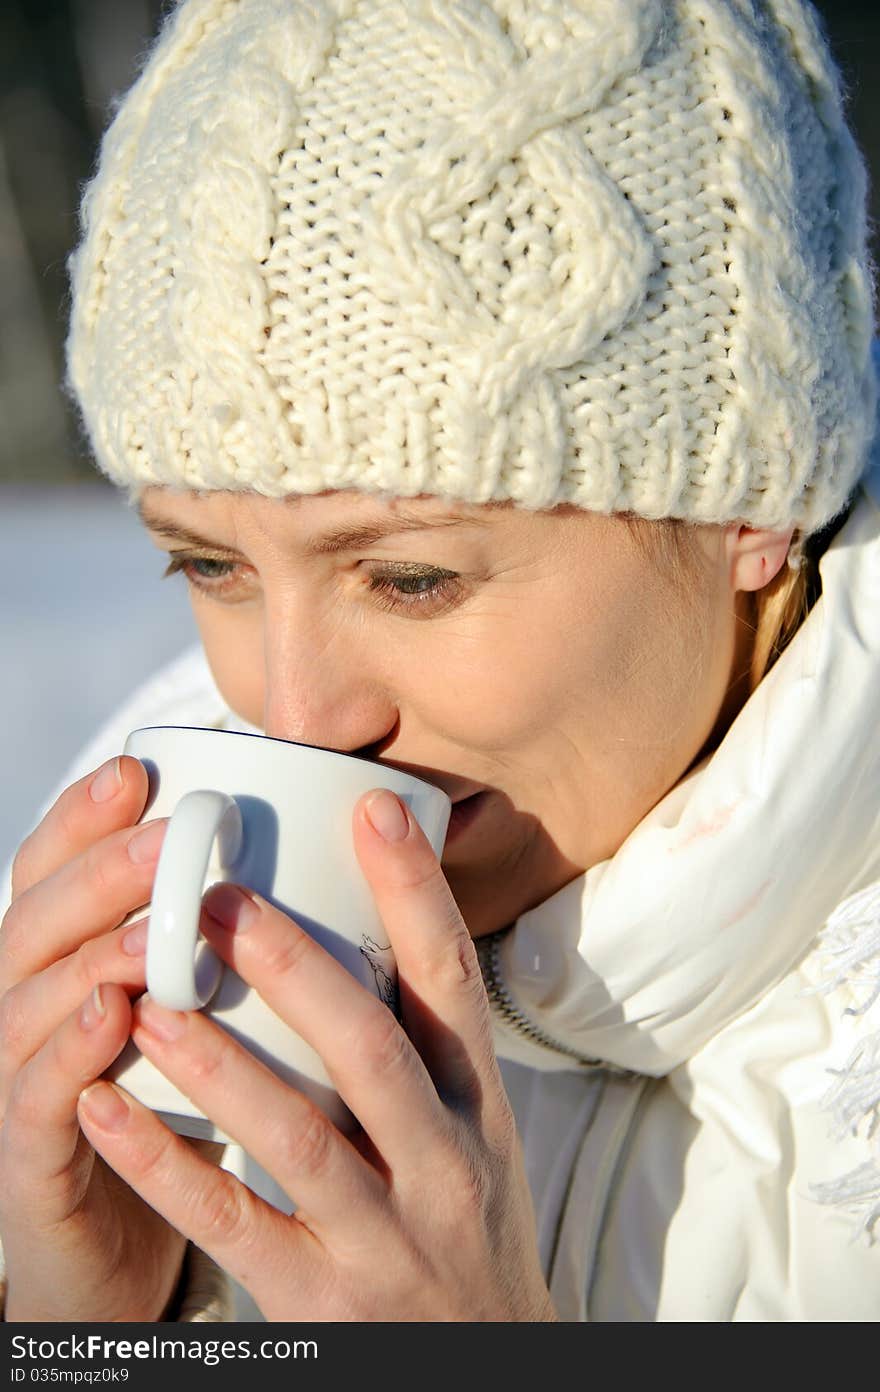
x,y
608,253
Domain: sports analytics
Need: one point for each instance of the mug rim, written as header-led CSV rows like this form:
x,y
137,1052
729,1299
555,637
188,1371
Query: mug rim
x,y
296,744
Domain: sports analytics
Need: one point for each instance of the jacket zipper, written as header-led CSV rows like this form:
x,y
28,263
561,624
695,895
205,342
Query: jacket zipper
x,y
502,1004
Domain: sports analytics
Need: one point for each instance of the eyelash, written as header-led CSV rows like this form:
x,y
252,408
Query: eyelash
x,y
440,595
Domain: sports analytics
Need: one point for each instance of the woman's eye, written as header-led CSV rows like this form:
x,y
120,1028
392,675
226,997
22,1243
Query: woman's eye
x,y
206,573
419,590
416,588
207,569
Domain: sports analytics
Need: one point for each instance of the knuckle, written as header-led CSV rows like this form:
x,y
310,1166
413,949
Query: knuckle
x,y
86,968
99,870
72,1060
220,1209
456,967
462,1190
207,1064
12,1026
422,872
307,1146
60,1054
12,931
383,1046
467,962
24,1109
22,876
285,953
59,821
154,1163
65,816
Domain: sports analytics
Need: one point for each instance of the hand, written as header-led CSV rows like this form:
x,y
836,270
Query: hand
x,y
425,1214
78,1243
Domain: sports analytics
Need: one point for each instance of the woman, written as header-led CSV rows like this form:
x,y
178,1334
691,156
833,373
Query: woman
x,y
499,377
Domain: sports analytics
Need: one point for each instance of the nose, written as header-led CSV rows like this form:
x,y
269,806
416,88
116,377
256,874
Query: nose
x,y
326,692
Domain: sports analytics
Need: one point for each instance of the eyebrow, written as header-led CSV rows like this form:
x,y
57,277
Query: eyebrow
x,y
341,539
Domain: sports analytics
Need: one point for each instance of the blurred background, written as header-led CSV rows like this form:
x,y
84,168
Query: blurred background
x,y
82,616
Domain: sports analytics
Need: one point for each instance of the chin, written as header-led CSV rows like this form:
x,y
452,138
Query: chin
x,y
496,878
491,895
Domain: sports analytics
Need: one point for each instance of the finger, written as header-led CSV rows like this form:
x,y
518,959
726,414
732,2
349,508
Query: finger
x,y
85,898
43,1165
443,999
368,1056
332,1186
34,1009
250,1240
111,797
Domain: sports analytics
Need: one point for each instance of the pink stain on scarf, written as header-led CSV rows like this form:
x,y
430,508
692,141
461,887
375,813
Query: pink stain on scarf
x,y
710,827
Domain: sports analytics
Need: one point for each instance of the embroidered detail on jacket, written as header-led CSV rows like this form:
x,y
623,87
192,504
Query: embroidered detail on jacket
x,y
850,951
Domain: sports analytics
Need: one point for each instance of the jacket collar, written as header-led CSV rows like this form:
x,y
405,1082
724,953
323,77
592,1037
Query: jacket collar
x,y
725,884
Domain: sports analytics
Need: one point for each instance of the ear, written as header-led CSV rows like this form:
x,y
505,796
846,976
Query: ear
x,y
755,557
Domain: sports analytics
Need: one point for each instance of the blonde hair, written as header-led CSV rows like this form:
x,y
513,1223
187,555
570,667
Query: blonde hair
x,y
780,608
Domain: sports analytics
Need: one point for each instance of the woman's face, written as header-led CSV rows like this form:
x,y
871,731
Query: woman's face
x,y
540,667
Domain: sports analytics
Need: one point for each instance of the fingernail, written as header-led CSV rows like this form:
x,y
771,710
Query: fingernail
x,y
231,907
134,943
166,1025
387,815
93,1011
105,1106
145,845
106,782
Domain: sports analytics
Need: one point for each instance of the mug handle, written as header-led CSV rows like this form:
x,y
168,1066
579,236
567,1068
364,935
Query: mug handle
x,y
174,978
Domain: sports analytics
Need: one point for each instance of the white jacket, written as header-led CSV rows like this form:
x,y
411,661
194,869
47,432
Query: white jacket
x,y
689,1031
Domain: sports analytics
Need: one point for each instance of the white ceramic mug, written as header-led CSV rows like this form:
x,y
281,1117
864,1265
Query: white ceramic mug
x,y
276,817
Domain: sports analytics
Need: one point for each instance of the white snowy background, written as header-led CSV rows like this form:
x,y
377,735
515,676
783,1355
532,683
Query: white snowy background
x,y
84,617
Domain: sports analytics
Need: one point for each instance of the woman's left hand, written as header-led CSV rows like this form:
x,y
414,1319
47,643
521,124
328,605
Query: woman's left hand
x,y
425,1214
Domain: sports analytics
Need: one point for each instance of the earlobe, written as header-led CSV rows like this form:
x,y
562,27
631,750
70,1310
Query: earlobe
x,y
756,556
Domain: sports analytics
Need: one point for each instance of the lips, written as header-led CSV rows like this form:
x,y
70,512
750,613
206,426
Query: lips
x,y
464,811
462,793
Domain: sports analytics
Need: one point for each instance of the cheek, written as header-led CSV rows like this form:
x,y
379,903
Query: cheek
x,y
509,679
478,684
664,679
627,678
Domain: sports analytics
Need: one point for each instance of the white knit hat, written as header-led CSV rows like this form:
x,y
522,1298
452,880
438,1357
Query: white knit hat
x,y
607,253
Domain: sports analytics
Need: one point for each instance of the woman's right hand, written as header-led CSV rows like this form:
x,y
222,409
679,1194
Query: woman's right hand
x,y
78,1243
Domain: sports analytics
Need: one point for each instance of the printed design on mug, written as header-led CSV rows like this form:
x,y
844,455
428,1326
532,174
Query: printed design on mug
x,y
378,956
